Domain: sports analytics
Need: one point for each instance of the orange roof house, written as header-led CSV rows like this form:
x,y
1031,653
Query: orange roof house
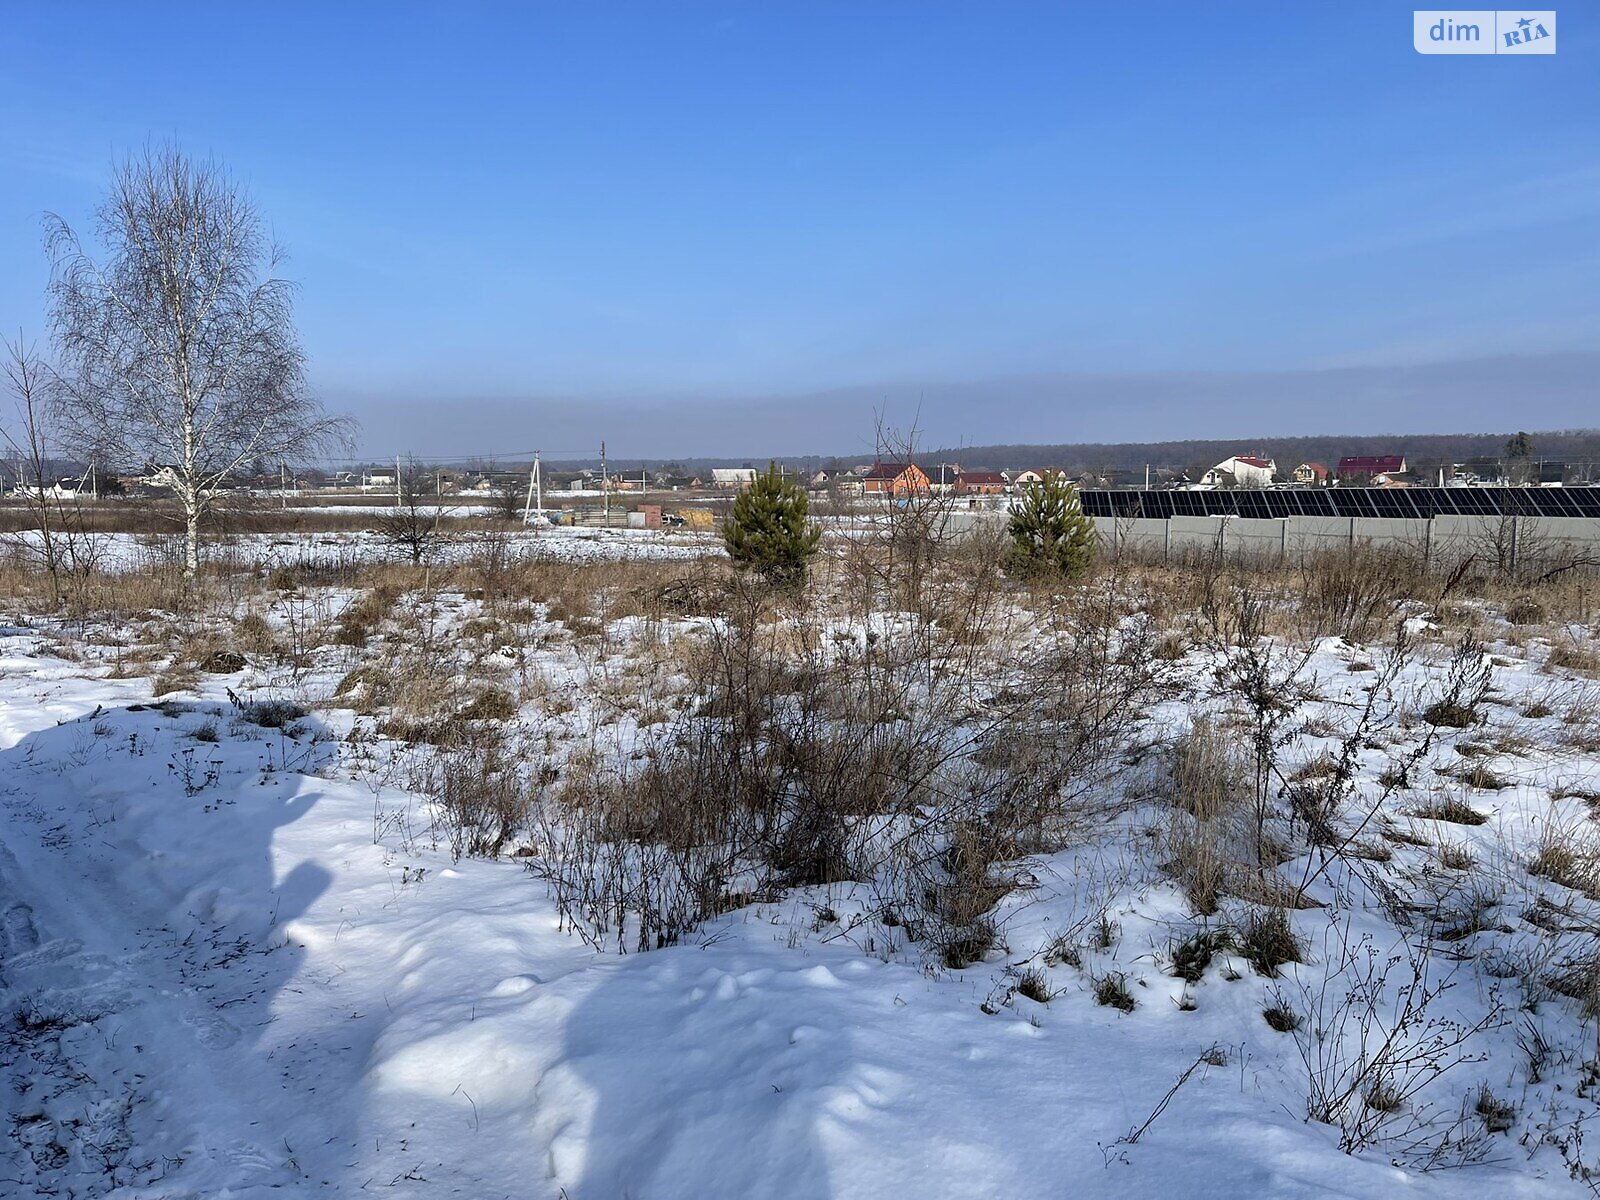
x,y
895,479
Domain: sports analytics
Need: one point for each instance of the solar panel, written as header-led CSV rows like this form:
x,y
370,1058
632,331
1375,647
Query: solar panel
x,y
1319,504
1443,501
1279,504
1553,502
1404,503
1477,502
1253,505
1286,504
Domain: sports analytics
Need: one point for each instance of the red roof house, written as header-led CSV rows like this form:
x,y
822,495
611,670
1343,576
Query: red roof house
x,y
1372,464
980,483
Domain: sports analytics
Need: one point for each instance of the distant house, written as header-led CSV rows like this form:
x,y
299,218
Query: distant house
x,y
1031,478
1242,471
895,479
61,489
1370,466
1113,477
980,483
1313,474
732,478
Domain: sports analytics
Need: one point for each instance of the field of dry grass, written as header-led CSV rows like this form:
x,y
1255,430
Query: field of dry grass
x,y
1263,770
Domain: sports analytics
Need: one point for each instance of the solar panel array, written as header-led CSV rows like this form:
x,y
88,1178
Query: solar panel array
x,y
1413,503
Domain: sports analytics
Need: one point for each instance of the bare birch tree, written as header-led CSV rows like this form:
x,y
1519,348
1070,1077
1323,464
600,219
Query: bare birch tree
x,y
25,375
177,348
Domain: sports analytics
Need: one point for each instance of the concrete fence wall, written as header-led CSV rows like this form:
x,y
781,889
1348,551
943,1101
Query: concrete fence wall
x,y
1444,538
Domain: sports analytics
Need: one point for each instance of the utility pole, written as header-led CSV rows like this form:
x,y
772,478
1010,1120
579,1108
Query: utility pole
x,y
399,501
535,488
283,483
605,491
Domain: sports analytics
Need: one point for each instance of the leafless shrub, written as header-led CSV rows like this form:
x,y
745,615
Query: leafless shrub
x,y
1467,685
1353,592
414,524
1057,734
1374,1044
958,902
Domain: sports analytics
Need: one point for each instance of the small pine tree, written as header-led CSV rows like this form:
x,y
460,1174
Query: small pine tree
x,y
768,531
1050,533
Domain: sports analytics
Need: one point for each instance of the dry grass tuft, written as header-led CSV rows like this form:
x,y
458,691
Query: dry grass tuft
x,y
1280,1017
1568,858
1448,808
1111,990
1267,941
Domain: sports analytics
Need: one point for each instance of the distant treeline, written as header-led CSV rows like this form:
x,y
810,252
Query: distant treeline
x,y
1423,451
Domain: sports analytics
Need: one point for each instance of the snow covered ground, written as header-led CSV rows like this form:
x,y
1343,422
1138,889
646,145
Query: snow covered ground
x,y
114,552
225,977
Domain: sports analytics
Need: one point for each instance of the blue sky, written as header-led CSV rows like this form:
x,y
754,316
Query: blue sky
x,y
518,222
